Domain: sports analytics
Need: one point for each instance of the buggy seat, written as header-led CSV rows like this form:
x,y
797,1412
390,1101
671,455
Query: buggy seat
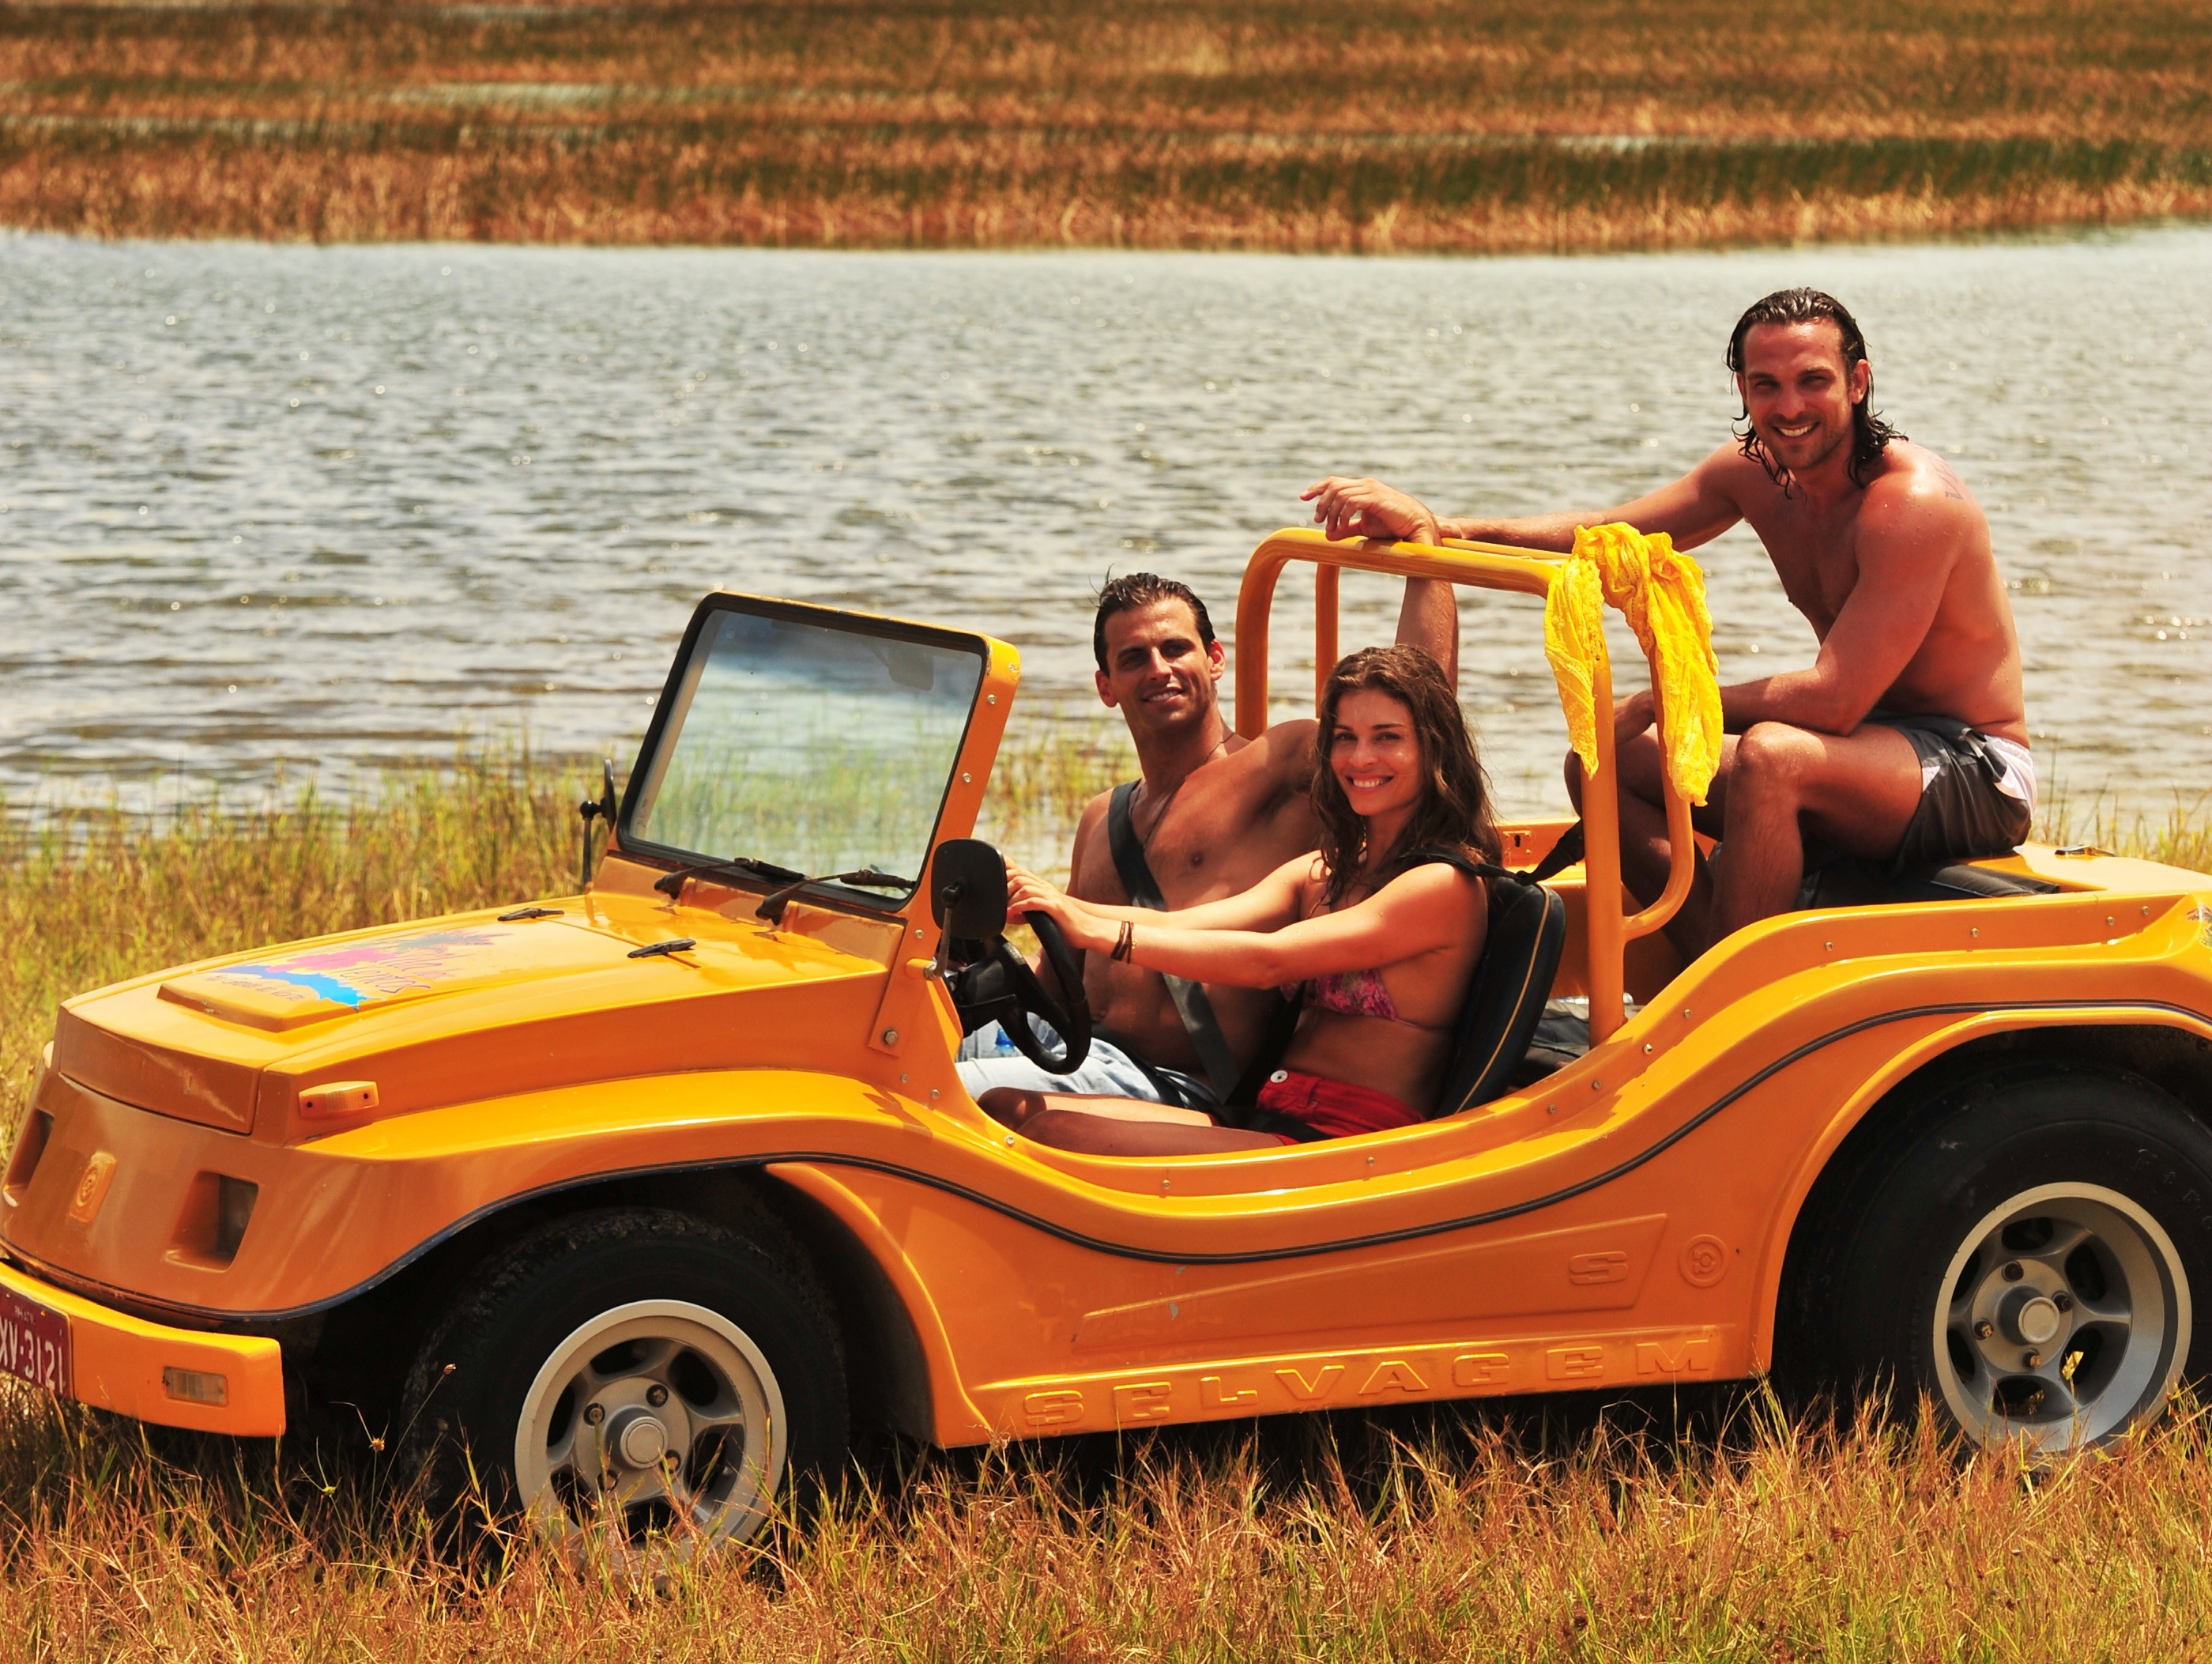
x,y
1528,935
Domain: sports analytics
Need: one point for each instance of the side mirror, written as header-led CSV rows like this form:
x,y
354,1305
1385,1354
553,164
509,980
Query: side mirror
x,y
967,889
601,808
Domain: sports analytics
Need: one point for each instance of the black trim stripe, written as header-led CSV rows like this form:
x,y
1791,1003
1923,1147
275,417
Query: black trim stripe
x,y
235,1320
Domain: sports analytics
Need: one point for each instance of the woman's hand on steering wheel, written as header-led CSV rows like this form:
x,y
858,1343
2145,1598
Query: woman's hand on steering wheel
x,y
1028,893
1063,1005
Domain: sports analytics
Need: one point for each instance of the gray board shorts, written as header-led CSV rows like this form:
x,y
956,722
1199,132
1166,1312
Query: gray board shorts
x,y
1966,811
988,1058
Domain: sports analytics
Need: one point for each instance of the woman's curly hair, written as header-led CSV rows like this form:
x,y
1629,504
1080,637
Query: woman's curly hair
x,y
1870,435
1454,812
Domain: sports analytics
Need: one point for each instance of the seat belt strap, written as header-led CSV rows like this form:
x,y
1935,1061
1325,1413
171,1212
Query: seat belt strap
x,y
1562,854
1188,997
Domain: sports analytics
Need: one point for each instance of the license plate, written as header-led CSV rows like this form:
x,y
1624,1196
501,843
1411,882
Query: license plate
x,y
34,1343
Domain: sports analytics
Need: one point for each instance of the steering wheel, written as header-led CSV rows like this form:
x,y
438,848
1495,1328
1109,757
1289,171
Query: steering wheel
x,y
1070,1018
998,984
967,900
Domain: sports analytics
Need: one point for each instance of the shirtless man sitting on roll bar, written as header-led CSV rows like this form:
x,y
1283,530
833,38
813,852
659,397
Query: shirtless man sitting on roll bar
x,y
1907,740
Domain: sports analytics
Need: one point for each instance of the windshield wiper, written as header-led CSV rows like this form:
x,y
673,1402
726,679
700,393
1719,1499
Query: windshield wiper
x,y
873,878
670,884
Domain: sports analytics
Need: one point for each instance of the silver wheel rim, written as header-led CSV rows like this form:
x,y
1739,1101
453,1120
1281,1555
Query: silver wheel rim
x,y
658,1417
2063,1319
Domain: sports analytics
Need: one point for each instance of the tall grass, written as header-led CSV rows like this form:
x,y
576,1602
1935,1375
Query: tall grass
x,y
1530,1531
2179,834
1449,1536
1379,124
91,895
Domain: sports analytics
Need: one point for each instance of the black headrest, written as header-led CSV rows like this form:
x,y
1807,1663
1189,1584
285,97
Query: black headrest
x,y
1527,934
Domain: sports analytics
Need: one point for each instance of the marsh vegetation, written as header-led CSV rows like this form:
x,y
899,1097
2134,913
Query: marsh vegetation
x,y
1328,124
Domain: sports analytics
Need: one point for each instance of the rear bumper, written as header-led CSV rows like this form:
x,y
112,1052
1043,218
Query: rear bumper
x,y
148,1371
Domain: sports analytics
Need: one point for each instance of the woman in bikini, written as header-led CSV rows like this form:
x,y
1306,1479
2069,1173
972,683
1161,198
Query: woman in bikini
x,y
1379,932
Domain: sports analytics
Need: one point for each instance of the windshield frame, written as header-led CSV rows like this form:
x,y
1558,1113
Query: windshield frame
x,y
880,904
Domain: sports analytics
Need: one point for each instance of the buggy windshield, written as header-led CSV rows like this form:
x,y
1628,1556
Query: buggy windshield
x,y
804,739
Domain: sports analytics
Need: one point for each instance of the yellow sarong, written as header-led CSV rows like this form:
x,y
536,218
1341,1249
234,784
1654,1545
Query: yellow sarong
x,y
1661,593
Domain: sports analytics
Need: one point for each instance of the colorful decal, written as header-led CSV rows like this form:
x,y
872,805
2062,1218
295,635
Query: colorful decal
x,y
360,973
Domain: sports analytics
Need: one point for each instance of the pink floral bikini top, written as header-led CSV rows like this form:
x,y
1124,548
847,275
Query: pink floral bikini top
x,y
1362,993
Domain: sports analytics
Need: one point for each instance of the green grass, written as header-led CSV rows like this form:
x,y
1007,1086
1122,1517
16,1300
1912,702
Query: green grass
x,y
94,895
1373,124
1530,1531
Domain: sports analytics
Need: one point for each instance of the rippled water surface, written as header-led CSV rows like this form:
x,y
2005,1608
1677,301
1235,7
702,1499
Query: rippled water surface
x,y
323,508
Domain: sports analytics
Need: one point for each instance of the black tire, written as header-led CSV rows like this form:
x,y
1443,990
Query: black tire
x,y
737,1323
2061,1216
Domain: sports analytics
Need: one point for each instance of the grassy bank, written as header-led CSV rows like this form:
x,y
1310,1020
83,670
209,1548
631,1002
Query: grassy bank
x,y
1327,124
1506,1531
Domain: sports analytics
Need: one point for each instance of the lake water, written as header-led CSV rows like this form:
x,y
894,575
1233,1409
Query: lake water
x,y
314,510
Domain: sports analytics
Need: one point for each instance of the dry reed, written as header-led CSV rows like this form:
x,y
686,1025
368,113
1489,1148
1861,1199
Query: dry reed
x,y
1329,125
1502,1532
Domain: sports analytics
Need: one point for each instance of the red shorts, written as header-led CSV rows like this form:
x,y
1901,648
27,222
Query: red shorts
x,y
1316,1108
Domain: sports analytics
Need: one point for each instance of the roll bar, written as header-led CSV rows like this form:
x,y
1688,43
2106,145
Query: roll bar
x,y
1478,566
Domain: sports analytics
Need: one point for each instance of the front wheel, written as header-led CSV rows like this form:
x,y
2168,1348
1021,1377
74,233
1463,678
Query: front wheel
x,y
635,1374
2028,1255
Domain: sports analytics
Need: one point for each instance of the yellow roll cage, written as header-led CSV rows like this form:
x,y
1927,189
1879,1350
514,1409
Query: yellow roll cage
x,y
1609,925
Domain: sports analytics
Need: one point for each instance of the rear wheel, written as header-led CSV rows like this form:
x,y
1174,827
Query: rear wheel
x,y
633,1374
2028,1253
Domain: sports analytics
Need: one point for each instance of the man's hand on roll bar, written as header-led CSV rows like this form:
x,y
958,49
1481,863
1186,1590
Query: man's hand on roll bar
x,y
1368,509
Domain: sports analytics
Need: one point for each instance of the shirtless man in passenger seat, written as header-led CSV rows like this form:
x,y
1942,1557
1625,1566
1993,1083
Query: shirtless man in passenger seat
x,y
1906,740
1212,813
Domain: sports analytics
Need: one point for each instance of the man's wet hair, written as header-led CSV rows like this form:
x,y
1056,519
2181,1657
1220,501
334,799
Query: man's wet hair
x,y
1870,435
1136,590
